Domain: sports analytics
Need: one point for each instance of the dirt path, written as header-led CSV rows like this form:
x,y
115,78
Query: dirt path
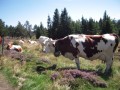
x,y
4,85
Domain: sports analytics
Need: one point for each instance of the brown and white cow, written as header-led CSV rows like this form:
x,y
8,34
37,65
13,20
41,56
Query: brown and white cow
x,y
21,41
17,48
87,46
32,42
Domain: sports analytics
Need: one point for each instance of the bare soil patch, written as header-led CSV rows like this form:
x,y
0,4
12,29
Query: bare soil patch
x,y
4,85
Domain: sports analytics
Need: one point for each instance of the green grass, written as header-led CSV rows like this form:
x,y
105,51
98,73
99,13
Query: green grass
x,y
42,81
37,82
9,75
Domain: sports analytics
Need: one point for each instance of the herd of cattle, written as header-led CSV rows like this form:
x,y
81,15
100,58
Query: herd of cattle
x,y
78,45
18,48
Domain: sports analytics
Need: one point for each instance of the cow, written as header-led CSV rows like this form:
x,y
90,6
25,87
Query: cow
x,y
90,47
32,42
21,41
17,48
43,40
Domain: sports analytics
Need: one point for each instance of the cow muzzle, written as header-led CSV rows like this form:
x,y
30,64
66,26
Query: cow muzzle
x,y
57,53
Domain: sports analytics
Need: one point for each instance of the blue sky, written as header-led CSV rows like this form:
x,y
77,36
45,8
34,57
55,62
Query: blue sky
x,y
36,11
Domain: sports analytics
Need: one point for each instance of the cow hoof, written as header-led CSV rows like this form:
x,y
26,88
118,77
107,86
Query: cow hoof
x,y
108,73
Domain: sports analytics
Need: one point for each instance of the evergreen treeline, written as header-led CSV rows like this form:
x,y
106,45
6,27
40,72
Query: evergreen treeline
x,y
61,25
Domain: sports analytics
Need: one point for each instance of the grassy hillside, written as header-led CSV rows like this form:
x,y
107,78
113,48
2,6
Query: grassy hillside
x,y
32,70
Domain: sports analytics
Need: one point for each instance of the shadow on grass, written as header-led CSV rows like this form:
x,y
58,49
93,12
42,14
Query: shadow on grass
x,y
105,76
99,73
40,69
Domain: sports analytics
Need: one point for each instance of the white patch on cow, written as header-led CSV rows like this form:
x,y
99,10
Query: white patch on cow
x,y
21,41
81,48
102,57
108,37
69,55
32,42
48,48
101,45
15,46
43,40
79,40
107,46
73,35
76,38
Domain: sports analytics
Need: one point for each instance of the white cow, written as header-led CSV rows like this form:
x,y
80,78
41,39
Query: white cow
x,y
87,46
32,42
43,40
21,41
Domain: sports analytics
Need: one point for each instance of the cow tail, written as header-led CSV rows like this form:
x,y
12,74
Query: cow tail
x,y
116,42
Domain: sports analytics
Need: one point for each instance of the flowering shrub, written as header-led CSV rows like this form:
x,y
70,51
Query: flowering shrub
x,y
70,75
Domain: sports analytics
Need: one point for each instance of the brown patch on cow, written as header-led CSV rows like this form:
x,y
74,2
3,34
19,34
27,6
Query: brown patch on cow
x,y
90,45
64,45
9,46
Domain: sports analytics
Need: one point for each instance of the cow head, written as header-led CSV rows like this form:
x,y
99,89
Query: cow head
x,y
9,45
57,51
49,46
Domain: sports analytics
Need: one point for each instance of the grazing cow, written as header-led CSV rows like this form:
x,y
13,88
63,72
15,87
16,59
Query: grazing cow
x,y
0,39
14,47
43,40
21,41
87,46
32,42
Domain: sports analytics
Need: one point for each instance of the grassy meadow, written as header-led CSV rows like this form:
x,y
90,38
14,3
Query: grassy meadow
x,y
24,76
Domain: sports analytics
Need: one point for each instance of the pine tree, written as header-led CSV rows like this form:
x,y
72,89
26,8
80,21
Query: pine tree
x,y
77,27
107,26
91,26
28,27
55,24
100,25
84,26
40,30
2,28
64,24
118,27
49,26
20,30
11,31
97,28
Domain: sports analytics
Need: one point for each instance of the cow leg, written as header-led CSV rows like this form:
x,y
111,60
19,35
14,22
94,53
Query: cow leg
x,y
109,61
77,63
